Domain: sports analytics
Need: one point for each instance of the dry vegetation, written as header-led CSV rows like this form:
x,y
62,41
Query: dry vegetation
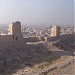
x,y
66,43
14,59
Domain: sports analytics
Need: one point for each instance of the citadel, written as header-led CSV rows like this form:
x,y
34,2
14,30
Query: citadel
x,y
15,37
15,52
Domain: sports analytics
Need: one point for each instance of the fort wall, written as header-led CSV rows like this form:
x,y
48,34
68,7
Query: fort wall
x,y
6,38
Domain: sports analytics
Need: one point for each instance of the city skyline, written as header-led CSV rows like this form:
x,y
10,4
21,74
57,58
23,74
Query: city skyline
x,y
37,11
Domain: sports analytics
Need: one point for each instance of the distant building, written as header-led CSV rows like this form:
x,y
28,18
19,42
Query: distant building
x,y
55,31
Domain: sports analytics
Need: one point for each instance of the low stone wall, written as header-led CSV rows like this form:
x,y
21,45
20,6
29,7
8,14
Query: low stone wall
x,y
31,39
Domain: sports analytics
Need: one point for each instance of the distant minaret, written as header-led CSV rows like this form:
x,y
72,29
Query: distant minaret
x,y
55,31
15,30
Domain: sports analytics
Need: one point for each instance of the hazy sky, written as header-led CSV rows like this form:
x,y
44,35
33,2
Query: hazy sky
x,y
37,11
74,11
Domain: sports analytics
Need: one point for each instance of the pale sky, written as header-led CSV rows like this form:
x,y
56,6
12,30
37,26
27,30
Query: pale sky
x,y
74,11
37,11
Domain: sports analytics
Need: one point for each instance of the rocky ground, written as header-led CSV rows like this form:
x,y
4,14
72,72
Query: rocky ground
x,y
55,57
67,68
49,69
13,59
37,59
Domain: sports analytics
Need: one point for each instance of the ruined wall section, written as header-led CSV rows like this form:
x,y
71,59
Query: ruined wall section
x,y
5,41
